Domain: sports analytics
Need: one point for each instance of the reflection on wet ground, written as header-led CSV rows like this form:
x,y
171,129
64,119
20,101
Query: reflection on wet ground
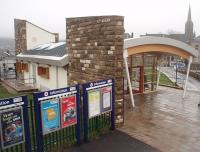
x,y
165,121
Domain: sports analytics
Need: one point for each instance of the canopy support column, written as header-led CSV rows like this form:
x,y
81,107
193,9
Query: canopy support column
x,y
125,55
158,78
187,76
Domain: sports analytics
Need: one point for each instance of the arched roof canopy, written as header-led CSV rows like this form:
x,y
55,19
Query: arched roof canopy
x,y
150,44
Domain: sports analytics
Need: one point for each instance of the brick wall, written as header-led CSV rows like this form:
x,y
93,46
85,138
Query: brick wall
x,y
20,35
95,48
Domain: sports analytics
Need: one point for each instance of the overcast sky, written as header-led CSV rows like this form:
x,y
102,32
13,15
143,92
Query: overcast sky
x,y
141,16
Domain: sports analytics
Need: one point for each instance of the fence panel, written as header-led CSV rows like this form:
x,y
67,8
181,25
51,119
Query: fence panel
x,y
98,108
56,119
57,114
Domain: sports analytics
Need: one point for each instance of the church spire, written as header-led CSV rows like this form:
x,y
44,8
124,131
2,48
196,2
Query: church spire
x,y
189,27
189,14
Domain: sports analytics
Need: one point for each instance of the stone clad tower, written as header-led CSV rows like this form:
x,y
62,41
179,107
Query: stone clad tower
x,y
95,48
189,27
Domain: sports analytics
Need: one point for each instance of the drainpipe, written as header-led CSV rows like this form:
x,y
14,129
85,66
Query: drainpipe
x,y
125,56
186,80
57,77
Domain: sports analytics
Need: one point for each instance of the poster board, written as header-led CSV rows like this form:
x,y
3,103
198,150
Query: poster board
x,y
68,111
12,127
50,111
51,102
98,96
106,102
94,102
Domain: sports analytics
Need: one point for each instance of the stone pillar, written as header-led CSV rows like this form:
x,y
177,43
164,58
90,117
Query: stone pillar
x,y
20,36
95,48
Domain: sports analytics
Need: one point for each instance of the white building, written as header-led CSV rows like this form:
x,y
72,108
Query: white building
x,y
45,66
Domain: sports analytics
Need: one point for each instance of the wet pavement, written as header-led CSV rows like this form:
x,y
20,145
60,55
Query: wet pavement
x,y
115,141
165,121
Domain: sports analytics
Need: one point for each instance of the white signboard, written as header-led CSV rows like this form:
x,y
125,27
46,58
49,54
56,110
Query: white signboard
x,y
94,103
106,99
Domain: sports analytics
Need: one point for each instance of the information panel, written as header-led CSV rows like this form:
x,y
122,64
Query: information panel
x,y
12,127
50,111
94,100
106,104
68,111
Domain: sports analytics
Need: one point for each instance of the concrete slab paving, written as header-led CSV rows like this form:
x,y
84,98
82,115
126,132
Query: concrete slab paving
x,y
165,121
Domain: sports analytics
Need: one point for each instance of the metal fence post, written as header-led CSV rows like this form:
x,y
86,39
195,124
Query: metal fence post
x,y
26,125
39,137
78,126
113,106
85,114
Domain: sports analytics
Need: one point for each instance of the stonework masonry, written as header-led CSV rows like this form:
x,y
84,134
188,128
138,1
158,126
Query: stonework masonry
x,y
95,49
20,35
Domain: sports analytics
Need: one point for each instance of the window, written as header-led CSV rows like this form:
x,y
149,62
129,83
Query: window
x,y
43,72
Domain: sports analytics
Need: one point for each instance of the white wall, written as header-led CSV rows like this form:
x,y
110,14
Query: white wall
x,y
46,84
198,49
28,76
37,36
57,77
62,77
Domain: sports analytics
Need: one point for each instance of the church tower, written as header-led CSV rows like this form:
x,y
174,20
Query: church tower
x,y
189,27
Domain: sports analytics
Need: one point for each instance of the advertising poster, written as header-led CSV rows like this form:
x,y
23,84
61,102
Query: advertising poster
x,y
68,111
94,103
12,127
50,111
106,103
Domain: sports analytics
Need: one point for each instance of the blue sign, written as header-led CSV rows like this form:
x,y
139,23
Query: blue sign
x,y
50,111
55,92
12,101
13,114
12,127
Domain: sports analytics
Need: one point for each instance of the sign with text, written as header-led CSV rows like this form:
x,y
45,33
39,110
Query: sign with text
x,y
50,111
94,100
106,104
68,111
12,127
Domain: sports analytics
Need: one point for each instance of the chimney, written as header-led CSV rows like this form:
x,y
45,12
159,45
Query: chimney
x,y
56,37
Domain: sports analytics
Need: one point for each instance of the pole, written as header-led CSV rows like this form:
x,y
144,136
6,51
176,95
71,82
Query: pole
x,y
158,79
186,80
125,55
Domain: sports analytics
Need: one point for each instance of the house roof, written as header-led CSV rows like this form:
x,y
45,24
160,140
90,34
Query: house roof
x,y
197,39
180,37
51,54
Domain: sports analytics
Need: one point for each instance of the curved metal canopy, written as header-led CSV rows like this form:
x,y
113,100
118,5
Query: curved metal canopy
x,y
159,44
